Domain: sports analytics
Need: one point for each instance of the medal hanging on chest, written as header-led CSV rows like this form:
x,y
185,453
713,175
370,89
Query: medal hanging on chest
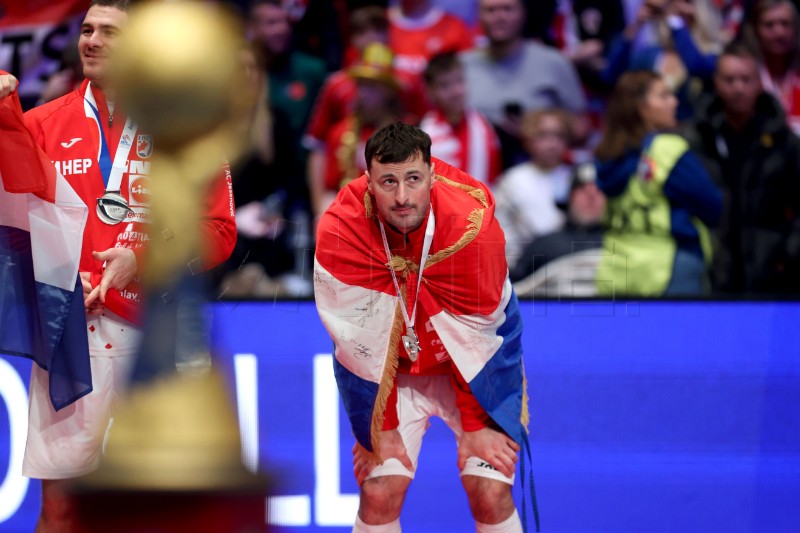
x,y
112,207
411,344
410,339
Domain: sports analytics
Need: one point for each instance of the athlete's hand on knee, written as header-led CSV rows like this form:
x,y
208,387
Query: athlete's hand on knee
x,y
95,307
493,446
391,447
119,271
8,84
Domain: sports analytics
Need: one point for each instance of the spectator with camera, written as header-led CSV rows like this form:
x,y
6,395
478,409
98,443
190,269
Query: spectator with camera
x,y
689,37
582,232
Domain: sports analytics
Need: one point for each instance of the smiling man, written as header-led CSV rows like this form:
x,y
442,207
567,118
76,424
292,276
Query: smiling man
x,y
106,160
412,285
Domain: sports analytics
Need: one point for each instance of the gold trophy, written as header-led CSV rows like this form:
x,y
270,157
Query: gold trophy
x,y
175,440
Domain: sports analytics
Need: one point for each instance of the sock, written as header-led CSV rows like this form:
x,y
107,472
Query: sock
x,y
391,527
511,524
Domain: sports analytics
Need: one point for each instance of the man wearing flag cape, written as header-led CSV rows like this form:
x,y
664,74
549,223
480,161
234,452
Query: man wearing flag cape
x,y
411,283
105,158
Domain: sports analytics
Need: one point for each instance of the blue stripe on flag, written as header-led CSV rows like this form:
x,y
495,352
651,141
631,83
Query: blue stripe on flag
x,y
42,322
358,396
503,372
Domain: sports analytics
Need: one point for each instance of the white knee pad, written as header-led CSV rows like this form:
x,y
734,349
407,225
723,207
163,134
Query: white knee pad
x,y
512,524
391,527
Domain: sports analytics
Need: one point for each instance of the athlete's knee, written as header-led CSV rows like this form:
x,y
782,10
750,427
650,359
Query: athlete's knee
x,y
382,499
489,500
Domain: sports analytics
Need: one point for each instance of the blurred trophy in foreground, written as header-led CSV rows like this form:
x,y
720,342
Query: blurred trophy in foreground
x,y
173,458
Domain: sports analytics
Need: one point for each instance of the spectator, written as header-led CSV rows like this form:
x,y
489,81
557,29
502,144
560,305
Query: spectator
x,y
367,25
377,104
267,195
581,29
511,76
461,136
689,38
771,32
528,194
660,198
582,231
295,78
418,30
745,143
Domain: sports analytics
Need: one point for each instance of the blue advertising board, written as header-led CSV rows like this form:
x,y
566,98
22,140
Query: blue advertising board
x,y
646,417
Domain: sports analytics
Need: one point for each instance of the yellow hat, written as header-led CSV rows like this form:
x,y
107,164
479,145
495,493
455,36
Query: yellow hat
x,y
376,64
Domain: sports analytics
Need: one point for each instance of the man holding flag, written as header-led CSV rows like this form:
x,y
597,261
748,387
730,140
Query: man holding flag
x,y
412,285
104,158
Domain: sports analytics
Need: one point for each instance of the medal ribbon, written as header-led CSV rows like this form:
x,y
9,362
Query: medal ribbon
x,y
112,173
426,248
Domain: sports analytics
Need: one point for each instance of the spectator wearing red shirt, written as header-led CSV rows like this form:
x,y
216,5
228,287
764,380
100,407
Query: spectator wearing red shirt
x,y
461,136
418,30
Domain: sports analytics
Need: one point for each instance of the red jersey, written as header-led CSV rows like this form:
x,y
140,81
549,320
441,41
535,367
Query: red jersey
x,y
471,145
71,139
415,41
344,152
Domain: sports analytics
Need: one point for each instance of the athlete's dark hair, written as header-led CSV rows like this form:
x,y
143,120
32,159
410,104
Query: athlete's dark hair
x,y
122,5
397,143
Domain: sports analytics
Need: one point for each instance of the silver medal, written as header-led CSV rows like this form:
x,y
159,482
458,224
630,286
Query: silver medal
x,y
411,344
112,208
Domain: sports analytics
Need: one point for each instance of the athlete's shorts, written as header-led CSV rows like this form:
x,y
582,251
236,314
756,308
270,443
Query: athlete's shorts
x,y
69,443
418,399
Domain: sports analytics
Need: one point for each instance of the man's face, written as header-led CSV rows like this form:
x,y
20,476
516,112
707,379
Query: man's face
x,y
448,91
502,20
587,204
737,83
402,191
99,33
777,32
270,27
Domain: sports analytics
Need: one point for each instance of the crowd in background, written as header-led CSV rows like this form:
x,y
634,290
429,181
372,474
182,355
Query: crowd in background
x,y
649,144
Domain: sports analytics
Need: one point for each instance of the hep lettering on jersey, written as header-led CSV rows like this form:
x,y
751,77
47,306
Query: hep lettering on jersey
x,y
73,166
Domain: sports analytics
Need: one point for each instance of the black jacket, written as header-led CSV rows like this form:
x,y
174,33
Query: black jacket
x,y
757,244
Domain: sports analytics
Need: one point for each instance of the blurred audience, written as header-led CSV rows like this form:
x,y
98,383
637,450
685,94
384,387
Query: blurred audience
x,y
660,199
532,99
377,103
511,76
689,37
772,33
748,148
583,230
295,78
528,195
460,136
270,202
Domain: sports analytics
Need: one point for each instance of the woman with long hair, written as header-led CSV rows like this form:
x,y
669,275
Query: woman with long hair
x,y
772,32
660,198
